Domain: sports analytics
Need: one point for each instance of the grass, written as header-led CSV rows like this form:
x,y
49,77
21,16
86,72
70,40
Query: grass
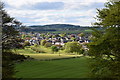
x,y
50,56
43,56
25,51
66,68
73,31
42,49
88,30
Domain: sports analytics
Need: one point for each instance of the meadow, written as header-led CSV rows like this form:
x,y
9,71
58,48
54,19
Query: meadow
x,y
49,65
47,55
65,68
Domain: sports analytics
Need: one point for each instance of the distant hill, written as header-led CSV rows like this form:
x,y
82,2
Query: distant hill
x,y
57,28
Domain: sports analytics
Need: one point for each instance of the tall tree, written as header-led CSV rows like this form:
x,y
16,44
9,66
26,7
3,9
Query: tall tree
x,y
105,45
9,41
72,47
0,39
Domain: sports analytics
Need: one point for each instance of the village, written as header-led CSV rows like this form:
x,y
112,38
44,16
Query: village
x,y
55,39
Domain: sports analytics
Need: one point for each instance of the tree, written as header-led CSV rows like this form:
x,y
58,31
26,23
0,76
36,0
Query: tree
x,y
9,41
105,45
26,43
43,42
48,44
62,34
73,38
81,34
23,36
71,47
42,35
54,48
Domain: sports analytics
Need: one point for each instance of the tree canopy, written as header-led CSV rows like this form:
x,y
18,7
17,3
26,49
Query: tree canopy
x,y
9,41
105,45
72,47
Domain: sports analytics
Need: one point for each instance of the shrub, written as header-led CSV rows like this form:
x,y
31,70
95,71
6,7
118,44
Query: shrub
x,y
43,42
48,44
35,45
54,48
26,43
82,51
37,49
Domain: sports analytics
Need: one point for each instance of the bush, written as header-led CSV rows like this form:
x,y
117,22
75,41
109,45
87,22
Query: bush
x,y
37,49
35,45
54,48
48,44
82,51
43,42
19,46
26,43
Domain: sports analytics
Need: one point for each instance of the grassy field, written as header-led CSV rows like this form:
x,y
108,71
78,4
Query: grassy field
x,y
65,68
42,56
25,51
50,56
73,31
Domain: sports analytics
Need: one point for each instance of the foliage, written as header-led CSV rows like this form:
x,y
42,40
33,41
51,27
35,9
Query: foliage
x,y
38,49
105,46
23,36
7,63
36,45
26,43
9,41
7,66
62,34
48,44
81,34
54,36
82,51
73,38
109,16
71,47
54,48
43,42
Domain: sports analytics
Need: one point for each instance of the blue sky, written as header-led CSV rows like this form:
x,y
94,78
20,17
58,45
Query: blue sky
x,y
42,12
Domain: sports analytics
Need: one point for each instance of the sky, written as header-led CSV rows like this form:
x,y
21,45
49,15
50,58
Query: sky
x,y
43,12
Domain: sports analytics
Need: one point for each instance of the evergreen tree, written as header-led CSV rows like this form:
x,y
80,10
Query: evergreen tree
x,y
9,41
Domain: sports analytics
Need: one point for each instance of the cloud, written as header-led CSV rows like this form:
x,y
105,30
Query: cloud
x,y
38,6
40,12
48,6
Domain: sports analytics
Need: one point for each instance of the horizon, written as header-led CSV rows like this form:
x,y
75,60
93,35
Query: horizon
x,y
39,12
55,24
60,24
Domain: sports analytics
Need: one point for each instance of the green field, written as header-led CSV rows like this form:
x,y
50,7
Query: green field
x,y
65,68
43,56
52,68
73,31
50,56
